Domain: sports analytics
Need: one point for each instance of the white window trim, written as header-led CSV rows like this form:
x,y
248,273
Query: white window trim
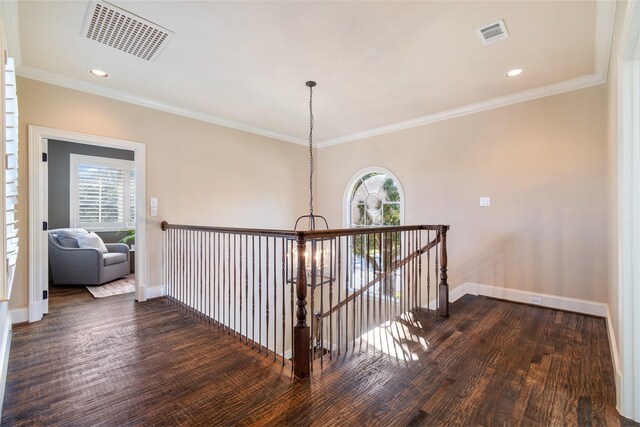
x,y
79,159
346,204
346,199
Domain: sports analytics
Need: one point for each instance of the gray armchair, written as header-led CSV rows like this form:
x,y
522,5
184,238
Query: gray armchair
x,y
78,266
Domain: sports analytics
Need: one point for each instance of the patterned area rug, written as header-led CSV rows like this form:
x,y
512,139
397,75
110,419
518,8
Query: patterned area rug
x,y
126,285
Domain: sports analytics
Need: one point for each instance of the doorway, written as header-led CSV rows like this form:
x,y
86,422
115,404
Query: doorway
x,y
39,139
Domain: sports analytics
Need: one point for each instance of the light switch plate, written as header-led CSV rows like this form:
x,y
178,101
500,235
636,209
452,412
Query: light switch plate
x,y
154,211
154,202
485,201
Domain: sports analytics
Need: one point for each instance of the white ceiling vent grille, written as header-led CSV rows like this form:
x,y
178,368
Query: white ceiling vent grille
x,y
122,30
493,32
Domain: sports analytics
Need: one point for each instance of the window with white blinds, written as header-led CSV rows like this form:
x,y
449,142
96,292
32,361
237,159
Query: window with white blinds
x,y
11,172
102,193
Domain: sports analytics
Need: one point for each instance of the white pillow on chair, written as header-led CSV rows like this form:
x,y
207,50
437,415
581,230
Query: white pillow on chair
x,y
91,240
68,237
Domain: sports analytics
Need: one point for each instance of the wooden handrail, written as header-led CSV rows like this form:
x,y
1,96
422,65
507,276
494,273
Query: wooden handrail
x,y
396,265
308,234
338,232
287,234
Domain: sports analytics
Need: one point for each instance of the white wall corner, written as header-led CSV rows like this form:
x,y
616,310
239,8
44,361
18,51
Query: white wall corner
x,y
605,21
456,293
154,291
628,396
19,315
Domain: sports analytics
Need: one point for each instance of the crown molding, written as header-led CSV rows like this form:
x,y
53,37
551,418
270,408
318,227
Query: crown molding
x,y
80,85
490,104
605,17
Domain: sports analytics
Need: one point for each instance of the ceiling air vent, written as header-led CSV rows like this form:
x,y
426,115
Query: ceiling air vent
x,y
122,30
493,32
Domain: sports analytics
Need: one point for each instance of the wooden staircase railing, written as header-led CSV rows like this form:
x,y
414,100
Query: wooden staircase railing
x,y
258,284
394,267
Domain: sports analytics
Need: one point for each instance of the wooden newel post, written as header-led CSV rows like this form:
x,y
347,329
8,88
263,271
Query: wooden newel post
x,y
301,332
443,306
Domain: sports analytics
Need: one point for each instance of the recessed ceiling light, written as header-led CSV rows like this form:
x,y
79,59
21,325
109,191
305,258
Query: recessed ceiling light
x,y
514,72
98,73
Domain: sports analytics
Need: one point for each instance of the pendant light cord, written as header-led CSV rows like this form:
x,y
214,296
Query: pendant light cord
x,y
311,151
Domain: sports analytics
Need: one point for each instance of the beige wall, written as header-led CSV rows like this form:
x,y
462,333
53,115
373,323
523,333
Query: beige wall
x,y
543,163
200,173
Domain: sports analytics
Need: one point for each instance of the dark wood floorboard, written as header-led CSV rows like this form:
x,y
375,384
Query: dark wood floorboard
x,y
115,362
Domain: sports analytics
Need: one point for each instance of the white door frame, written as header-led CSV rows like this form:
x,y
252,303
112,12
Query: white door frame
x,y
629,213
38,243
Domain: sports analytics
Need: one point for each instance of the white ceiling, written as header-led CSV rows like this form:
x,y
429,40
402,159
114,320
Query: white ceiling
x,y
380,66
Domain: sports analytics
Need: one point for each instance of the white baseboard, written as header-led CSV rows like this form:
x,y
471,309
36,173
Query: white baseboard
x,y
549,301
19,315
615,357
154,292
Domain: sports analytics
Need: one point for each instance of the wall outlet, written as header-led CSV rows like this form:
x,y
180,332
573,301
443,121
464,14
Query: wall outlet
x,y
485,201
535,300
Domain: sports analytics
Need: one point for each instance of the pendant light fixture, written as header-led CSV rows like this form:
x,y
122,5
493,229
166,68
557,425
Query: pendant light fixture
x,y
312,217
318,250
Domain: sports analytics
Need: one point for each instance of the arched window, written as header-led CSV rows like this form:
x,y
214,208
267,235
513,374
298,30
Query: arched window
x,y
374,198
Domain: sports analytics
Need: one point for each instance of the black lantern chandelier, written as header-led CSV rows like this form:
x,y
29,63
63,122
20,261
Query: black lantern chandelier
x,y
312,217
318,250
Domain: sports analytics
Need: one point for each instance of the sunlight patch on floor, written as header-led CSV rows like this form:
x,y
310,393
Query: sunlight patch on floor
x,y
396,340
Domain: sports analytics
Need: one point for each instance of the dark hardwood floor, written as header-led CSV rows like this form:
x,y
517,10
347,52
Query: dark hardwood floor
x,y
116,362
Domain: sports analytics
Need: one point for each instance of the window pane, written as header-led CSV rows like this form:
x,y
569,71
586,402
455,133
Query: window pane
x,y
374,219
357,215
100,194
390,190
373,182
373,203
359,193
391,213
